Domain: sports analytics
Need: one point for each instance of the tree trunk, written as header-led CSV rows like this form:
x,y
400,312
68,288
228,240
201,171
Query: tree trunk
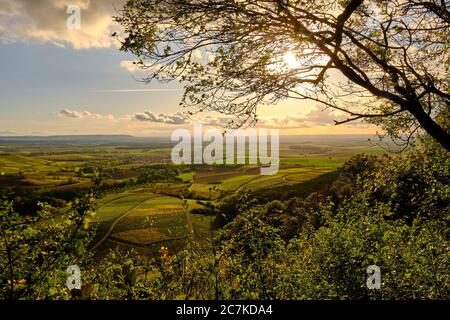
x,y
430,126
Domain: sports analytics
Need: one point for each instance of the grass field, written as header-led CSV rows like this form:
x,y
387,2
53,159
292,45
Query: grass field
x,y
235,183
187,176
312,161
144,214
287,177
113,209
153,218
236,180
150,219
16,163
157,205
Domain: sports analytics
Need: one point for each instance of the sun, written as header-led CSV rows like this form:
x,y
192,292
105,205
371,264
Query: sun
x,y
290,60
284,61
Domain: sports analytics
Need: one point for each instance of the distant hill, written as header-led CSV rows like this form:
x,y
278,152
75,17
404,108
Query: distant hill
x,y
129,139
81,139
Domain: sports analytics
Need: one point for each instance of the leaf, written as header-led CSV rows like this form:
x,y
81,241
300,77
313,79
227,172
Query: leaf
x,y
52,291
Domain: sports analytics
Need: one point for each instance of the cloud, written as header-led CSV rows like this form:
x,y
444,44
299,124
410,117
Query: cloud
x,y
323,116
316,117
136,90
6,8
8,133
177,118
73,114
215,121
202,56
83,114
46,21
174,119
72,121
313,119
133,66
130,65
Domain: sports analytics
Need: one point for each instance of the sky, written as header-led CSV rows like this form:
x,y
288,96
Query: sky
x,y
56,80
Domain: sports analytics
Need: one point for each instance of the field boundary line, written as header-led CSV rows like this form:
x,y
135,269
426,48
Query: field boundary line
x,y
112,200
114,223
246,183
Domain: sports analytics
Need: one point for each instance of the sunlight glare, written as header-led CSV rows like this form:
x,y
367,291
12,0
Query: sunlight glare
x,y
291,61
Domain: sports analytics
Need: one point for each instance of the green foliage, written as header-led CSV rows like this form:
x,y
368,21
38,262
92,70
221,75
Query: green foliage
x,y
391,211
301,250
35,251
413,184
157,174
331,263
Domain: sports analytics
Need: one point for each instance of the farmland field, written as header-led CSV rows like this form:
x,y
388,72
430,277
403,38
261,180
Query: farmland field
x,y
135,211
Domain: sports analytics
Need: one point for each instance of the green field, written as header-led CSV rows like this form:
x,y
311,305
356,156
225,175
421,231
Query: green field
x,y
17,163
113,209
149,218
236,180
187,176
153,213
312,161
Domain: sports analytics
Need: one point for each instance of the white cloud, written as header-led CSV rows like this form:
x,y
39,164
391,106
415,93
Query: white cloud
x,y
85,122
323,116
316,117
215,121
45,21
83,114
202,56
177,118
139,69
73,114
130,65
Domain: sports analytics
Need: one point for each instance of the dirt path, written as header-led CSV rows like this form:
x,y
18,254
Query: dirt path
x,y
114,223
285,177
113,199
190,228
246,183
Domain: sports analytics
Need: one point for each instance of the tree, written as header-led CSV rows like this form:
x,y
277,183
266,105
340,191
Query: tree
x,y
385,62
35,250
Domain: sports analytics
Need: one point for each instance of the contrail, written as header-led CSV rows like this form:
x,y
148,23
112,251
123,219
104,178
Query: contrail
x,y
135,90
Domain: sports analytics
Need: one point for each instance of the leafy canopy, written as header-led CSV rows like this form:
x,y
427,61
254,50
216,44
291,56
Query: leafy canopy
x,y
382,61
